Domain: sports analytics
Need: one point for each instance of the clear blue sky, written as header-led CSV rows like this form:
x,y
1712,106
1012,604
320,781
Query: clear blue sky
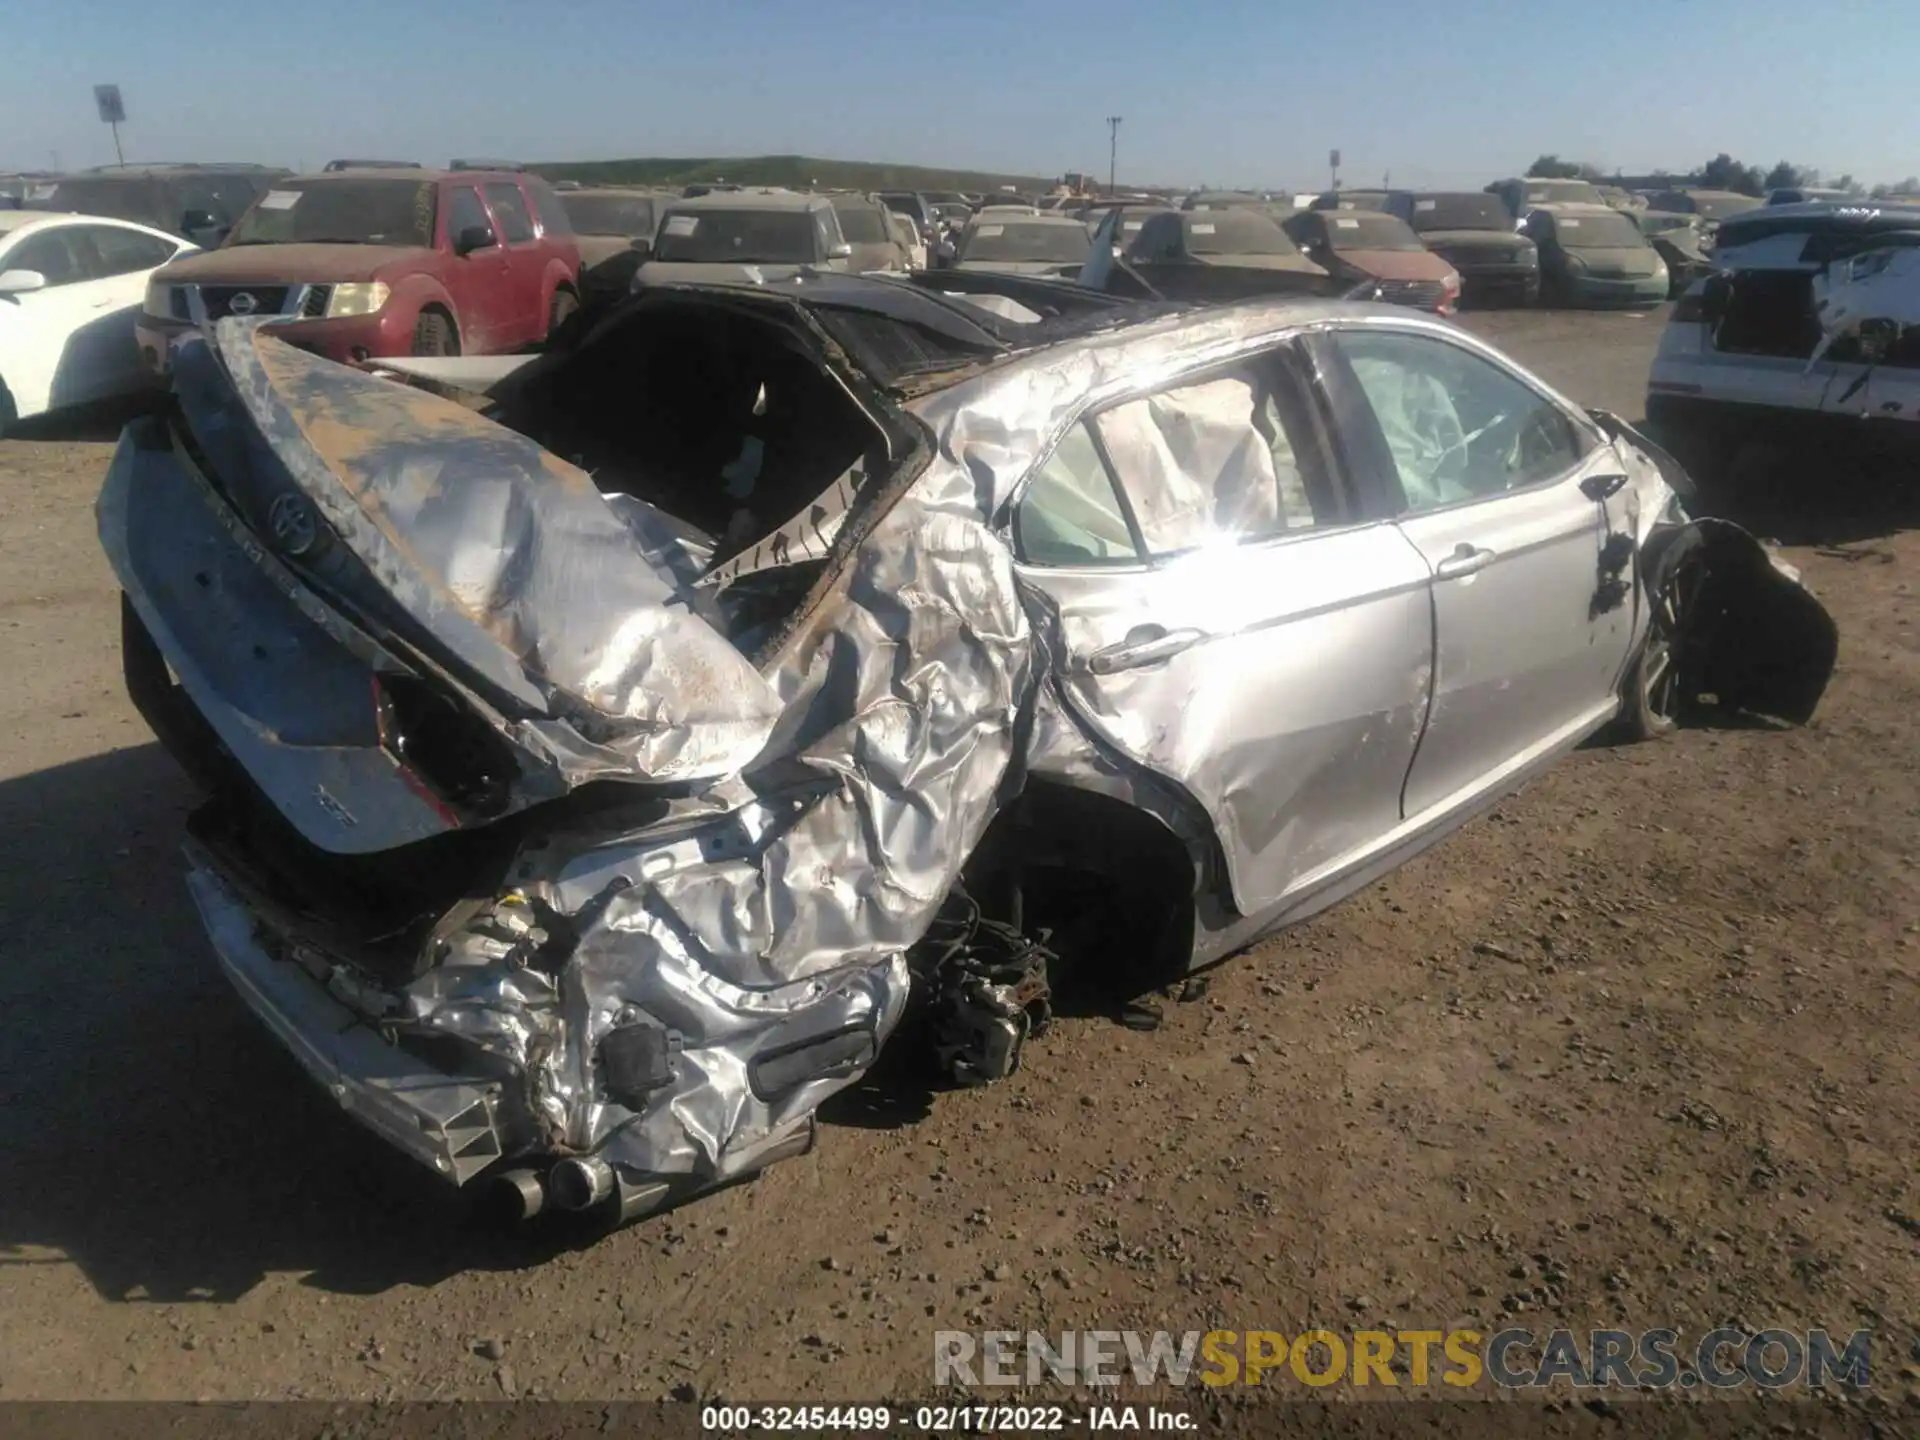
x,y
1439,92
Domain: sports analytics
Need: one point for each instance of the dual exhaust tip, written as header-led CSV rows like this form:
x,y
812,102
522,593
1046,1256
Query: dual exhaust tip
x,y
578,1183
581,1183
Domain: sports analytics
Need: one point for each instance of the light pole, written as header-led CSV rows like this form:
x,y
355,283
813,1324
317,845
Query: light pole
x,y
1113,149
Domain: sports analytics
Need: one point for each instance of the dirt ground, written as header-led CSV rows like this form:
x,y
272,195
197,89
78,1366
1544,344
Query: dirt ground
x,y
1635,1050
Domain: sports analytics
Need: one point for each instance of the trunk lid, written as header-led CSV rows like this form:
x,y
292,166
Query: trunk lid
x,y
425,595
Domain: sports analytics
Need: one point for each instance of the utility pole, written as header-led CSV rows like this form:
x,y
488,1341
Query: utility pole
x,y
1113,149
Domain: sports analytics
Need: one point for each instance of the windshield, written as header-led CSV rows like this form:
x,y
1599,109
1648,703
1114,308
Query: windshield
x,y
113,199
737,237
1459,212
347,212
1014,239
863,225
1611,231
1357,231
1563,192
1653,223
608,214
1238,232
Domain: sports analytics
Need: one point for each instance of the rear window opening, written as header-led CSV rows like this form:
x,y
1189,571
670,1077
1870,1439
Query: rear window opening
x,y
1770,312
727,423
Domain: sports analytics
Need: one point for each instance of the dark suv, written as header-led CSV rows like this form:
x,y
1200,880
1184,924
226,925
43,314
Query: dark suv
x,y
196,202
363,263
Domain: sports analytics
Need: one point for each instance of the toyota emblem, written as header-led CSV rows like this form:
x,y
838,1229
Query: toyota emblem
x,y
243,304
294,526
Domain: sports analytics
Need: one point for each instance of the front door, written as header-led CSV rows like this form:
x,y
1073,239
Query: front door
x,y
121,259
1510,500
524,304
1233,622
477,281
71,321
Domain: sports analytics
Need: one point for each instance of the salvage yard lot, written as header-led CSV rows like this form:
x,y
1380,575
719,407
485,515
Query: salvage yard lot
x,y
1634,1050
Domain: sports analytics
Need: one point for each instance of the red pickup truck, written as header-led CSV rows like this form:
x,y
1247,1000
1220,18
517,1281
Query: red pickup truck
x,y
367,263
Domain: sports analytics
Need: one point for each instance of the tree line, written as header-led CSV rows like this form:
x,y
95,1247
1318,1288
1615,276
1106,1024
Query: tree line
x,y
1723,172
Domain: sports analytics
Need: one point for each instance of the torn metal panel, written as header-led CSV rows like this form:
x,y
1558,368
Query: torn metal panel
x,y
1874,291
510,558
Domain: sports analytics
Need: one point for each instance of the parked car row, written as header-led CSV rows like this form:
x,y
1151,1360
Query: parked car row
x,y
380,258
104,271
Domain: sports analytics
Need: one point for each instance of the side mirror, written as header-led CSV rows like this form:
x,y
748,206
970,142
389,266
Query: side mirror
x,y
192,220
472,238
641,246
21,282
842,251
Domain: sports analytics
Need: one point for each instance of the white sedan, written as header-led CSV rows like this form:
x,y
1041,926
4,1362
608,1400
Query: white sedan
x,y
70,287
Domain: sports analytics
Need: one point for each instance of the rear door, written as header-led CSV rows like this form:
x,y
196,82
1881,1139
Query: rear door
x,y
63,355
119,261
1233,621
523,301
1509,498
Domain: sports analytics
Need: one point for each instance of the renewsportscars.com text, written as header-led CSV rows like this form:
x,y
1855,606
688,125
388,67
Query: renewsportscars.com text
x,y
1722,1359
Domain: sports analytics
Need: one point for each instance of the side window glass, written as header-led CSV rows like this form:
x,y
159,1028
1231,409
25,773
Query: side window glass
x,y
1070,514
123,252
231,194
464,211
553,215
1218,461
1151,242
1459,427
56,254
827,231
510,209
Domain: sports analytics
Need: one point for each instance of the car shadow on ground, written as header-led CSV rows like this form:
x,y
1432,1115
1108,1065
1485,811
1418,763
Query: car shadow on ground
x,y
97,423
155,1135
1812,497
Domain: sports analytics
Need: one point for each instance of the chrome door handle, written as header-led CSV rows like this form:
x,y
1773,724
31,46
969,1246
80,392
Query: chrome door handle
x,y
1146,645
1465,560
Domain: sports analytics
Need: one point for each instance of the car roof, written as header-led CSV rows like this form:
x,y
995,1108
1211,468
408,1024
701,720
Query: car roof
x,y
148,170
615,192
422,176
1817,216
753,200
1038,217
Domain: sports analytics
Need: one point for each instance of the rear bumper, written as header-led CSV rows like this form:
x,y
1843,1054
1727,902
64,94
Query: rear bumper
x,y
1706,434
448,1122
1510,283
1616,294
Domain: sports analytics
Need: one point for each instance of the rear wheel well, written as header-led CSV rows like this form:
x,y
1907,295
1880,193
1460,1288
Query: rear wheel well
x,y
1111,881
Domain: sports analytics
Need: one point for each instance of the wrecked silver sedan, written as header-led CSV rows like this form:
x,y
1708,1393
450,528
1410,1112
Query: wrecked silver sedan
x,y
602,767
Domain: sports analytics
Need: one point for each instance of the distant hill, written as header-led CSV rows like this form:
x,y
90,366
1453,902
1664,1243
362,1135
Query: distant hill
x,y
794,171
